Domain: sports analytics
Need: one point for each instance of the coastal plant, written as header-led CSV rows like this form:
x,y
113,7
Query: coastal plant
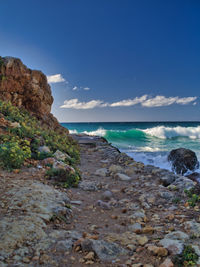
x,y
193,198
187,258
63,177
13,154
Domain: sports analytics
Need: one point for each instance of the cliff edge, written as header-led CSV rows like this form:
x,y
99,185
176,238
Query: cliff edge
x,y
29,89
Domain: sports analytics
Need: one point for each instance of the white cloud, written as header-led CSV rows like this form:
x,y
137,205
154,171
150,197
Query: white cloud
x,y
161,101
86,88
76,104
145,101
56,78
75,88
129,102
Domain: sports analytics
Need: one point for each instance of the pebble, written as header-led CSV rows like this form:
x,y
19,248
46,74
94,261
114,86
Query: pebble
x,y
107,195
142,240
122,177
167,263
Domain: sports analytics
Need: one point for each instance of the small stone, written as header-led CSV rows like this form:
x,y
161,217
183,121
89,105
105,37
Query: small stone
x,y
122,177
115,168
136,228
101,172
103,205
148,230
81,260
142,240
89,256
89,262
26,260
137,265
167,263
159,251
107,195
148,265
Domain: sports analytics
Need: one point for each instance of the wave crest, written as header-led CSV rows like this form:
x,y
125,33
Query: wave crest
x,y
170,132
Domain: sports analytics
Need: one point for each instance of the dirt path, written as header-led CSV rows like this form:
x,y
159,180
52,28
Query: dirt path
x,y
122,214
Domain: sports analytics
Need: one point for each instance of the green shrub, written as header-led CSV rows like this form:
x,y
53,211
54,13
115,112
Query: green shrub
x,y
13,154
187,258
64,177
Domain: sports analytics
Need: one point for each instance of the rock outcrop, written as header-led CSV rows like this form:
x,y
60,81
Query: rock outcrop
x,y
183,160
27,88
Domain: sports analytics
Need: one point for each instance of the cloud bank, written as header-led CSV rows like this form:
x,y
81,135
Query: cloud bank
x,y
56,78
145,101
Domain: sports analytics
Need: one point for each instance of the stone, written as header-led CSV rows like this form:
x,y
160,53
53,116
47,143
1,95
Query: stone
x,y
142,240
174,246
167,263
166,195
158,251
183,160
115,168
61,155
107,195
122,177
89,256
64,245
183,183
136,227
88,186
193,228
105,251
103,205
178,235
167,179
101,172
44,149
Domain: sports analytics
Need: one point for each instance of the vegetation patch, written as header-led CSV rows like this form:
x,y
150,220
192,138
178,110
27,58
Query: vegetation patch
x,y
187,258
64,177
21,142
193,199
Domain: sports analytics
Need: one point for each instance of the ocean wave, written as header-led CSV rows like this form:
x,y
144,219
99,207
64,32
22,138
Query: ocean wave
x,y
98,132
73,131
171,132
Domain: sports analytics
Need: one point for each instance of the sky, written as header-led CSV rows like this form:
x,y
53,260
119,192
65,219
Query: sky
x,y
110,60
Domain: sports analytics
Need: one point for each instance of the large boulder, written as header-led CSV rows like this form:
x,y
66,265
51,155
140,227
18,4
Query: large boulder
x,y
183,160
27,88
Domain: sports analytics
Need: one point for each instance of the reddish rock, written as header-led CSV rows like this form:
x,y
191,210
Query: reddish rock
x,y
27,88
167,263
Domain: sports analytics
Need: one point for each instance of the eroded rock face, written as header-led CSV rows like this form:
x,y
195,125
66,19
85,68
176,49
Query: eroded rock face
x,y
182,160
27,88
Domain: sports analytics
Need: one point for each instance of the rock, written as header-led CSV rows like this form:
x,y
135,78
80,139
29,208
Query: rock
x,y
38,203
101,172
88,186
166,195
158,251
107,195
183,183
64,245
193,228
174,246
44,149
182,160
115,168
103,205
142,240
61,155
122,177
29,89
89,256
177,235
64,166
167,263
136,227
105,251
167,179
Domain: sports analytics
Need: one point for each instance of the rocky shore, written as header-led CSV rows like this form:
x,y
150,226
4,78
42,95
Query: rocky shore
x,y
121,214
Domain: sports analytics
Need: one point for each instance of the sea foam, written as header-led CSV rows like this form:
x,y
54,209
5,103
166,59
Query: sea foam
x,y
170,132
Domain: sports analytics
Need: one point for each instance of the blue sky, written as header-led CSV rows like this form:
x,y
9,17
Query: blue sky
x,y
114,60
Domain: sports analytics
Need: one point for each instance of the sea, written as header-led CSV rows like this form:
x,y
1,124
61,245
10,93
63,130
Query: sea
x,y
147,142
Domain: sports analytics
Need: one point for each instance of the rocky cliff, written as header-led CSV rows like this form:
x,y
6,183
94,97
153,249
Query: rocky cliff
x,y
27,88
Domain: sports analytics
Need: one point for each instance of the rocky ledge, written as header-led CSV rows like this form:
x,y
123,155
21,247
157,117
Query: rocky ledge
x,y
122,214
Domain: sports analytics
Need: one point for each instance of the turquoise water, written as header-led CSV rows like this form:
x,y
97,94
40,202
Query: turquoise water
x,y
147,142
